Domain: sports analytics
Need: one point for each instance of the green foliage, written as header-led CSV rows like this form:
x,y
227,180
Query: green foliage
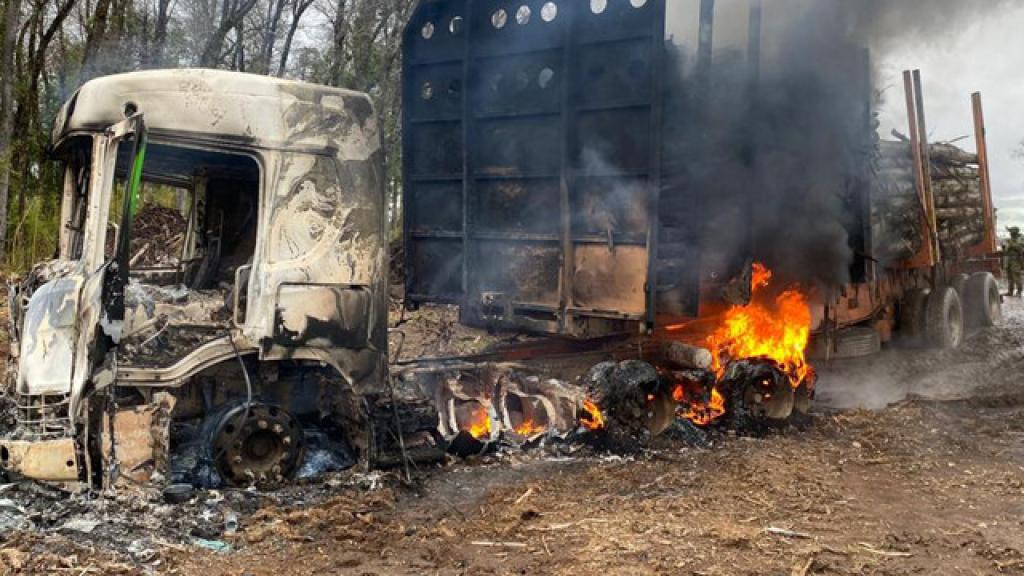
x,y
35,232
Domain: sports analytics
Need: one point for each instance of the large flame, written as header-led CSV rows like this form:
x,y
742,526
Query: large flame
x,y
591,418
480,426
529,428
778,329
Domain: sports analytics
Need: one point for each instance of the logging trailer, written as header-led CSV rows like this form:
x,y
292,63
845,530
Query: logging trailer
x,y
549,154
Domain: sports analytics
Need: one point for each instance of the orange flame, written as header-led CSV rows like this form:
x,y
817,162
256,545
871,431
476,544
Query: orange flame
x,y
699,412
776,329
480,427
529,428
592,418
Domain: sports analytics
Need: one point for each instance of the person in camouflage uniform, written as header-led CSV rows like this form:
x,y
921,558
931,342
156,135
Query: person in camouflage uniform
x,y
1013,261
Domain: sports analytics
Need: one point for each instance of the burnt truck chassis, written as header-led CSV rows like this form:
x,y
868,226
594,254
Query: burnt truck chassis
x,y
262,339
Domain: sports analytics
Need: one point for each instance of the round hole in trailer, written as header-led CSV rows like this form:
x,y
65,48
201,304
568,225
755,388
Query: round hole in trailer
x,y
545,77
598,6
428,31
638,3
523,15
499,19
428,91
455,26
70,463
549,12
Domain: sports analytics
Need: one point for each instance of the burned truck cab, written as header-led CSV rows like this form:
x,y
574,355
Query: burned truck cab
x,y
220,289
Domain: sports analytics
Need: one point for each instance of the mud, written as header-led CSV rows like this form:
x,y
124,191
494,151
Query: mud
x,y
929,484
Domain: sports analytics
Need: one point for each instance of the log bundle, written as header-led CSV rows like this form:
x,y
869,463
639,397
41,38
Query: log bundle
x,y
897,209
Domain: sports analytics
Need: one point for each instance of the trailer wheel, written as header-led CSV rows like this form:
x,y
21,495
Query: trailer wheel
x,y
944,319
983,305
912,316
256,444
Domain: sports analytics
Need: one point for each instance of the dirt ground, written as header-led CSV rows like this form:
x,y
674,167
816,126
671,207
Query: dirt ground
x,y
930,482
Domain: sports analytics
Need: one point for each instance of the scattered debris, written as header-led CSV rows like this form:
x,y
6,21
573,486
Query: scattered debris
x,y
787,533
869,548
217,546
83,525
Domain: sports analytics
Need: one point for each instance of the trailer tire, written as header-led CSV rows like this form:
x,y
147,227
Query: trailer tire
x,y
912,316
983,305
944,319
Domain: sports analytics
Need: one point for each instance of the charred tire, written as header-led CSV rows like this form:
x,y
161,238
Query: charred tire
x,y
944,319
982,303
913,308
804,398
758,398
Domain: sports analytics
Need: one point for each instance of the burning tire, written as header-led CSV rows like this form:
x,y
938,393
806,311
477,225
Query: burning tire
x,y
983,306
759,395
913,309
803,400
944,319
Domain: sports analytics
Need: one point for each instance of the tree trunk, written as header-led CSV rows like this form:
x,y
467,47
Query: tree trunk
x,y
269,37
338,56
12,15
298,9
94,37
163,16
233,12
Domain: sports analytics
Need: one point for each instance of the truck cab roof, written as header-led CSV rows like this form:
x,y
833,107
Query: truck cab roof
x,y
223,107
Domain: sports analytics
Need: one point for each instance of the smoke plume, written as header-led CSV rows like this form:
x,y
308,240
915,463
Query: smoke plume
x,y
784,138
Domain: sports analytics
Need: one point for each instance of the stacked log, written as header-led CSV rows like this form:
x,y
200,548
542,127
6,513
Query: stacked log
x,y
896,208
158,235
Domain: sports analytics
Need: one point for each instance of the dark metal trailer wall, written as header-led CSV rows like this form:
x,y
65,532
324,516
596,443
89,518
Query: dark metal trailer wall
x,y
552,155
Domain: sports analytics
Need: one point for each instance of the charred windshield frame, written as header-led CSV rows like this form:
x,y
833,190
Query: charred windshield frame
x,y
118,278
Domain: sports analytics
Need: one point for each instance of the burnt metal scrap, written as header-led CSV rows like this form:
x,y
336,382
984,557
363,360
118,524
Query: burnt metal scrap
x,y
480,406
620,406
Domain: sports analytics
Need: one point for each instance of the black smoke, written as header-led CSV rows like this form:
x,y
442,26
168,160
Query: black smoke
x,y
769,153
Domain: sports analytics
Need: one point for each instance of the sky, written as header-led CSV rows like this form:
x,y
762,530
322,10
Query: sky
x,y
986,56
